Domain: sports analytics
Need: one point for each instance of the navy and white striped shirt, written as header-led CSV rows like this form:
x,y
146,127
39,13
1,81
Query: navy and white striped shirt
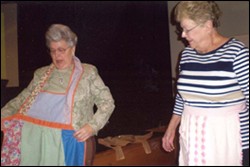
x,y
216,79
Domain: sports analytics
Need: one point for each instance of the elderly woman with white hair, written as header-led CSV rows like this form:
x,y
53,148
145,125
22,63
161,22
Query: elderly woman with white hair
x,y
52,121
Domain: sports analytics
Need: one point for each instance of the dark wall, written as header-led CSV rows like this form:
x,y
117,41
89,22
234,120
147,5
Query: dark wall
x,y
127,41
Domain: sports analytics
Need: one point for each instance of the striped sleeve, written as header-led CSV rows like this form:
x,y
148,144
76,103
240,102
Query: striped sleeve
x,y
241,69
178,107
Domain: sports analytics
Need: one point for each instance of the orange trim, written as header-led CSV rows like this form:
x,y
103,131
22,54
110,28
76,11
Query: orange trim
x,y
41,122
73,95
50,92
71,76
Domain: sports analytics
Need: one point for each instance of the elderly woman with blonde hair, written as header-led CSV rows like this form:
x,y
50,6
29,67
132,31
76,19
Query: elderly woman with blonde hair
x,y
212,103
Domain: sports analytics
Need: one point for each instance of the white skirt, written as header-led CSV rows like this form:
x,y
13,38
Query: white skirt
x,y
210,136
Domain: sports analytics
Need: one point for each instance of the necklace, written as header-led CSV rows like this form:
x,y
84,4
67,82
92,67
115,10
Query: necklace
x,y
61,78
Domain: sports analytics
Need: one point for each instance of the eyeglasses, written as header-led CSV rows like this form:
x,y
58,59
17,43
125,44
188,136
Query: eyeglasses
x,y
59,50
181,30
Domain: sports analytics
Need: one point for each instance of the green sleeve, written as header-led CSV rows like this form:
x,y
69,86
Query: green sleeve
x,y
102,99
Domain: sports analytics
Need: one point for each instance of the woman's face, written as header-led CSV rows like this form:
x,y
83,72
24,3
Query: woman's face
x,y
195,34
61,54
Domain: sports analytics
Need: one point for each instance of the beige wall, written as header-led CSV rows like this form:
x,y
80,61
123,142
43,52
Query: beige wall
x,y
9,11
234,23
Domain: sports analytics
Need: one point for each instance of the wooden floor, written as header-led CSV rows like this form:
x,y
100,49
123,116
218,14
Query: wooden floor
x,y
136,156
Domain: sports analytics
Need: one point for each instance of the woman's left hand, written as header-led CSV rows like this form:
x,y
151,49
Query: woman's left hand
x,y
84,133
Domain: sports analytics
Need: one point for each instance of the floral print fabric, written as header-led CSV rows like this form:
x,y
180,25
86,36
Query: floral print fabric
x,y
11,153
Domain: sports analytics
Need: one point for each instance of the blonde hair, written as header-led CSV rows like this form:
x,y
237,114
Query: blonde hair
x,y
198,11
57,32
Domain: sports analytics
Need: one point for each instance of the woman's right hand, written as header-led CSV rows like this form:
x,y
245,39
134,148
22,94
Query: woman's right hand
x,y
168,140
